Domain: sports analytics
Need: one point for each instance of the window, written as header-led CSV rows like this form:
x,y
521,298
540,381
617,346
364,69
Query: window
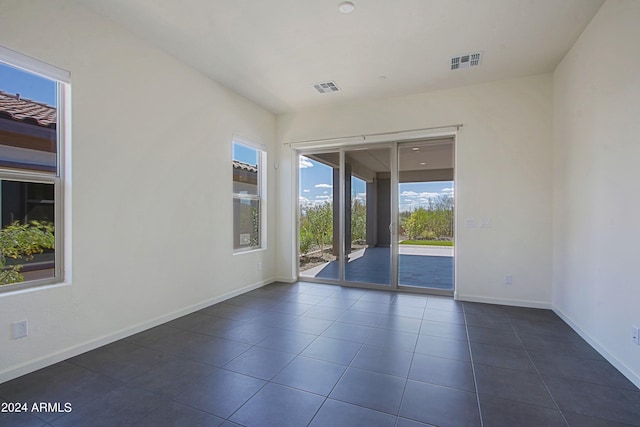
x,y
248,196
32,116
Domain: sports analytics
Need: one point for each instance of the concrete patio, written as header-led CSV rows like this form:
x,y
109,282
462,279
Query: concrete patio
x,y
419,266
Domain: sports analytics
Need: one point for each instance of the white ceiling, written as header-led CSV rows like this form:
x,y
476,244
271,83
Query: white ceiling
x,y
273,51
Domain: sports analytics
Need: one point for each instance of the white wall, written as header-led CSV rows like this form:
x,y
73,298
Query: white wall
x,y
596,283
151,187
504,174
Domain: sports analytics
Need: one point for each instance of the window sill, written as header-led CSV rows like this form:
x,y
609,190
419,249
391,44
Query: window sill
x,y
248,251
23,288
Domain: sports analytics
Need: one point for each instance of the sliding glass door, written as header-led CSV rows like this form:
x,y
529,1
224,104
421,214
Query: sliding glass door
x,y
378,216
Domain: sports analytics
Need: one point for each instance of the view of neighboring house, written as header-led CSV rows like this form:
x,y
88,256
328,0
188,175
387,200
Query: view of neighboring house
x,y
245,181
27,133
28,142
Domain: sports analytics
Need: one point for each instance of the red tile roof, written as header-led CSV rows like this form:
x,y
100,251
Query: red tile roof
x,y
21,109
245,166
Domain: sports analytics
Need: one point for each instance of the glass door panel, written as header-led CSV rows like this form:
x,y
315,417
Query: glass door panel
x,y
425,234
318,215
367,216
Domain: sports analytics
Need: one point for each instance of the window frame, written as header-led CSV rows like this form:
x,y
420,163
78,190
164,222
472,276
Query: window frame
x,y
59,178
261,195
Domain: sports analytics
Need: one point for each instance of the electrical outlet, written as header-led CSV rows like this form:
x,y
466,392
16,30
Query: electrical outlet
x,y
19,329
259,266
508,279
634,335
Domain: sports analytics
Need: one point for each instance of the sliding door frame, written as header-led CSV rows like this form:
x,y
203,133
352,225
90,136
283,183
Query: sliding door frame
x,y
342,148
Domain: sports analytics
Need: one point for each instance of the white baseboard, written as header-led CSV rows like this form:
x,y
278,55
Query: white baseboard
x,y
285,279
42,362
626,371
502,301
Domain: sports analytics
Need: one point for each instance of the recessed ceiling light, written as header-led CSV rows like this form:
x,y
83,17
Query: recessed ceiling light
x,y
416,149
346,7
422,163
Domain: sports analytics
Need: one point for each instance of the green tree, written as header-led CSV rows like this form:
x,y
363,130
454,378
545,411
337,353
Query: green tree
x,y
417,224
319,223
22,241
434,221
306,239
255,222
358,220
442,224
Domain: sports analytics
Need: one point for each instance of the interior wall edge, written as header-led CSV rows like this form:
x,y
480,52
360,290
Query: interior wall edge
x,y
624,369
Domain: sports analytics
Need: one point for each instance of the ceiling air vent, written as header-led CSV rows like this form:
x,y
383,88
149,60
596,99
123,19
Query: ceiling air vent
x,y
326,87
466,61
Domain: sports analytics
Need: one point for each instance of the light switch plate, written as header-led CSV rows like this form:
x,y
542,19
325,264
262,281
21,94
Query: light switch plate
x,y
19,329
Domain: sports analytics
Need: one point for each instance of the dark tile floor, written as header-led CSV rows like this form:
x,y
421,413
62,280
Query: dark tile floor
x,y
321,355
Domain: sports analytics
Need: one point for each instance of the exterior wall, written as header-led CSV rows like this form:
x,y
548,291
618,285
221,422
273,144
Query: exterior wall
x,y
27,145
151,188
596,203
503,174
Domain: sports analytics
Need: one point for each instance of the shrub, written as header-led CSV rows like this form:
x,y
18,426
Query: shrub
x,y
22,241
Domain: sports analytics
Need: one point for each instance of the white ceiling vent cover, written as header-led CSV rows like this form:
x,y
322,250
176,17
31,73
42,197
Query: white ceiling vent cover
x,y
327,87
466,61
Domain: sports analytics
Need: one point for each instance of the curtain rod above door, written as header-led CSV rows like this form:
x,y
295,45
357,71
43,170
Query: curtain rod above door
x,y
375,137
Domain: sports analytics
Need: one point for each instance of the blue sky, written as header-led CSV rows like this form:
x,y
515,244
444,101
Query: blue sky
x,y
316,186
413,195
316,182
245,154
30,86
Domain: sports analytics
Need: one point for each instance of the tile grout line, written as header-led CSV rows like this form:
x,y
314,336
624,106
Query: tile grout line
x,y
267,382
473,368
333,322
342,375
538,372
413,355
362,346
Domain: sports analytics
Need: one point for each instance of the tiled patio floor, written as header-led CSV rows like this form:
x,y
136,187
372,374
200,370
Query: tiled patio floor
x,y
416,268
